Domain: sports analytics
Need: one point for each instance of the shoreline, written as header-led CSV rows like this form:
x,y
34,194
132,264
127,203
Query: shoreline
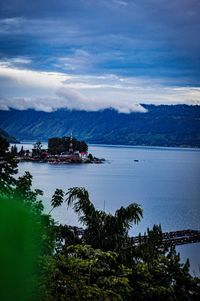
x,y
39,161
183,148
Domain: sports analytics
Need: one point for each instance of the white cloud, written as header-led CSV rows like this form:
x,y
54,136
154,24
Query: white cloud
x,y
79,60
74,100
120,2
83,61
30,78
48,91
20,60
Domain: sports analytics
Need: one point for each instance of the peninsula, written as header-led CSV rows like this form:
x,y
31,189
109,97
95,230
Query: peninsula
x,y
63,150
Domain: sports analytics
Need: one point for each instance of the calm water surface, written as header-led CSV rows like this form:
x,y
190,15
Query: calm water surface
x,y
165,181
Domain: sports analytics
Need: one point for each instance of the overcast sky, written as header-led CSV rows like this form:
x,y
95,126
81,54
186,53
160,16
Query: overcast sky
x,y
96,54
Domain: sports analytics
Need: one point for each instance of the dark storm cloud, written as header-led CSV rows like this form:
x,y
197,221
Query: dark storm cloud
x,y
154,37
143,39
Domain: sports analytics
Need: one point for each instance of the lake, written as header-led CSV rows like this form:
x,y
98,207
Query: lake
x,y
164,181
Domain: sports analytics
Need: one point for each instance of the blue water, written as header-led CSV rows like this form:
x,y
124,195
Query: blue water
x,y
165,182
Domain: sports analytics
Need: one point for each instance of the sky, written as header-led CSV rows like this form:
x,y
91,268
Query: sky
x,y
97,54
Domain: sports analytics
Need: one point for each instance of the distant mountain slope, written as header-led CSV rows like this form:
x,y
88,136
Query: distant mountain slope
x,y
6,136
161,126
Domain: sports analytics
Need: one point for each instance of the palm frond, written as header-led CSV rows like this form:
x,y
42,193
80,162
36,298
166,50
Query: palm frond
x,y
78,197
57,198
131,214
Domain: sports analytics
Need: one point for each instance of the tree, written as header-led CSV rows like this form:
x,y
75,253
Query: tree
x,y
22,152
163,278
27,153
37,148
82,273
14,150
152,246
8,168
58,145
83,147
57,199
23,192
26,232
90,157
103,230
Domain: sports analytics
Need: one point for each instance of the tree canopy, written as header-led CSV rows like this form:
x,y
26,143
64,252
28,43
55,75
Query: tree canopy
x,y
58,145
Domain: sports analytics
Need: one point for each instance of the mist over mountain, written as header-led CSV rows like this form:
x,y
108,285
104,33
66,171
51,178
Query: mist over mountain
x,y
175,125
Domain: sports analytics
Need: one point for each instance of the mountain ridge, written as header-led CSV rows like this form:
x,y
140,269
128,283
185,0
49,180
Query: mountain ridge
x,y
163,125
5,135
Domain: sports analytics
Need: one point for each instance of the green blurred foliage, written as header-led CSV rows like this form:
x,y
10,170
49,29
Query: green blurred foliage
x,y
20,238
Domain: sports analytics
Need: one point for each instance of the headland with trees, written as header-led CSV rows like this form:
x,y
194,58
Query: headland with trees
x,y
63,150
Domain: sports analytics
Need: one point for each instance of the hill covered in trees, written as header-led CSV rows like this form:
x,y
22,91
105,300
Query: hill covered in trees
x,y
177,125
5,135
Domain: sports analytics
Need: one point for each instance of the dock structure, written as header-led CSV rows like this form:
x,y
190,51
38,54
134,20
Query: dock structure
x,y
173,238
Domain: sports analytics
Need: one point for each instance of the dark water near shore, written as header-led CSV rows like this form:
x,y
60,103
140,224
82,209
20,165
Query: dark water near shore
x,y
165,181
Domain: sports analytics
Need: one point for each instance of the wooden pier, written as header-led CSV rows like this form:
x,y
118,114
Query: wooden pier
x,y
174,238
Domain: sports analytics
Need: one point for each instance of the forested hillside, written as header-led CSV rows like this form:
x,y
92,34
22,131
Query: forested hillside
x,y
5,135
177,125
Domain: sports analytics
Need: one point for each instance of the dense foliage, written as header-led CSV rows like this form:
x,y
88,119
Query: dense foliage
x,y
177,125
58,145
100,263
8,168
